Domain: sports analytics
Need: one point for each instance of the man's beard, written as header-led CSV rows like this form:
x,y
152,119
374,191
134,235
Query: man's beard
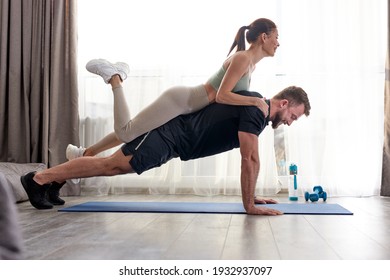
x,y
276,121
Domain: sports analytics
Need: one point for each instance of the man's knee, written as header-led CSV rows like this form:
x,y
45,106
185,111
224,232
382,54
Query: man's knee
x,y
119,163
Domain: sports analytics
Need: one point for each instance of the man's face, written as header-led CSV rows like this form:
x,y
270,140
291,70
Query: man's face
x,y
287,114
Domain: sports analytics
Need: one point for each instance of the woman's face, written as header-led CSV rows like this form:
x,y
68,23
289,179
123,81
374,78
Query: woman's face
x,y
271,42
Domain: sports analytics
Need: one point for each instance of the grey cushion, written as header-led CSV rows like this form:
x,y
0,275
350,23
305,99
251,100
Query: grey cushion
x,y
12,173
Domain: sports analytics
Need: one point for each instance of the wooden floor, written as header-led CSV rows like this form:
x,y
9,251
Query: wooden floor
x,y
51,235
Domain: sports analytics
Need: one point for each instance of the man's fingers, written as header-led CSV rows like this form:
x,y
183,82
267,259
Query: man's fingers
x,y
270,201
265,201
272,212
264,211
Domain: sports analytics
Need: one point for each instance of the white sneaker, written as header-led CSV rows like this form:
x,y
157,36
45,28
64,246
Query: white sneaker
x,y
106,69
73,152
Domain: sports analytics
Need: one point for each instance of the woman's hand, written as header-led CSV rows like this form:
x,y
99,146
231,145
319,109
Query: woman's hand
x,y
263,106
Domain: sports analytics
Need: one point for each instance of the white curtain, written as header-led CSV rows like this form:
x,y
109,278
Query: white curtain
x,y
341,64
334,49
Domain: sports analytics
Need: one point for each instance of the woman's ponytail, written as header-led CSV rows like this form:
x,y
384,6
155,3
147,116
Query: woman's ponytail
x,y
255,29
239,41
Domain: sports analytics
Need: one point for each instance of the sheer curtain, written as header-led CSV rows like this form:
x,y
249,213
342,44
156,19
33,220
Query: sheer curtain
x,y
340,145
333,49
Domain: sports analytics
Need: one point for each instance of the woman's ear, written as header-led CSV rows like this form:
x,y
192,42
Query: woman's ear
x,y
263,36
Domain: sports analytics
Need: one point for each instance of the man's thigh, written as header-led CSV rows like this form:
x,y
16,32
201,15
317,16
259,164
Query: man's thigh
x,y
150,150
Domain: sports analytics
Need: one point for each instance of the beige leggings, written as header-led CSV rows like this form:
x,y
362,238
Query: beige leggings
x,y
171,103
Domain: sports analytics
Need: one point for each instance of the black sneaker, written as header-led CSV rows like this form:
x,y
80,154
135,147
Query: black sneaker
x,y
53,193
36,193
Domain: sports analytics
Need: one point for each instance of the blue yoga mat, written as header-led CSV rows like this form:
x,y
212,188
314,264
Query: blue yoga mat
x,y
202,207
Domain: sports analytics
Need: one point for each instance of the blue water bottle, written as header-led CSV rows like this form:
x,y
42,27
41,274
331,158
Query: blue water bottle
x,y
292,183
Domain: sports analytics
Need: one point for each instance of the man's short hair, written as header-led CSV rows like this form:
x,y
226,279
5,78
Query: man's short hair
x,y
295,96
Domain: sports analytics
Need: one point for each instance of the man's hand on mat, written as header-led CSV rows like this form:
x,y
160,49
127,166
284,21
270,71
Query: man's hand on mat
x,y
263,211
260,200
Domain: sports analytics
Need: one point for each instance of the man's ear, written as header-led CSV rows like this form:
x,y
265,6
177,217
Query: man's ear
x,y
283,103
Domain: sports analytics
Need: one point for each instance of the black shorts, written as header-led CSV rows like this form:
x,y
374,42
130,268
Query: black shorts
x,y
151,150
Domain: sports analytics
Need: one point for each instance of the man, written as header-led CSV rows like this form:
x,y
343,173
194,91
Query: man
x,y
215,129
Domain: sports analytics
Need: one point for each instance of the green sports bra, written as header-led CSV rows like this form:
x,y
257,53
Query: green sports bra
x,y
216,79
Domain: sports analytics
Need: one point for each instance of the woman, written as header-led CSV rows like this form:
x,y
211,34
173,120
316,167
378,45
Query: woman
x,y
234,75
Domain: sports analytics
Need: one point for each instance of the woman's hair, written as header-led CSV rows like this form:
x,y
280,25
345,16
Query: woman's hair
x,y
255,29
295,96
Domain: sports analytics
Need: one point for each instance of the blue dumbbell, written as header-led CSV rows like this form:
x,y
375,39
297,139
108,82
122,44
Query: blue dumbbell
x,y
318,193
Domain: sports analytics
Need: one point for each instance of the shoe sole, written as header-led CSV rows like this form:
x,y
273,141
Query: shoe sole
x,y
124,67
94,62
68,153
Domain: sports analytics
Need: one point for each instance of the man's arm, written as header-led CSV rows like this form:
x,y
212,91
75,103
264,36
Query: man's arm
x,y
250,166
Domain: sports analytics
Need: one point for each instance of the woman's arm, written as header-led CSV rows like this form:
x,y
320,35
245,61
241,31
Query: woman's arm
x,y
237,67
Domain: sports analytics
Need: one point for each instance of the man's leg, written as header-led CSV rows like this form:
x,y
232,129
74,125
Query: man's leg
x,y
37,183
85,167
